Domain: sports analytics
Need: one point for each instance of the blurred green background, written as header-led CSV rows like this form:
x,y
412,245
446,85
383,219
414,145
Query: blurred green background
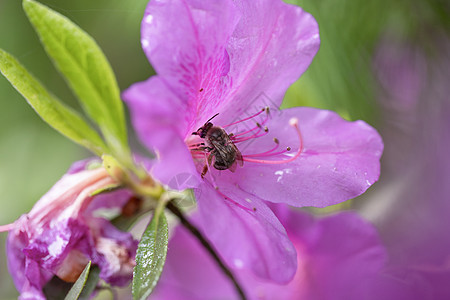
x,y
33,156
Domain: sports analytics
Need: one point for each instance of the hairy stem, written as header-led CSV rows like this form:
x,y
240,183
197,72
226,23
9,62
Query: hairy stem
x,y
188,225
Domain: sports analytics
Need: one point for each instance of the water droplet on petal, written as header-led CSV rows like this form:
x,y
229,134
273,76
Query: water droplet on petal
x,y
149,19
238,263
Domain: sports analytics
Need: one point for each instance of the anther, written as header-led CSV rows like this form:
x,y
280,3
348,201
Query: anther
x,y
276,141
201,90
294,123
266,129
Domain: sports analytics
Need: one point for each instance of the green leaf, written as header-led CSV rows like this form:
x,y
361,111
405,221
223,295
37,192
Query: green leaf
x,y
150,256
50,109
85,68
78,286
91,283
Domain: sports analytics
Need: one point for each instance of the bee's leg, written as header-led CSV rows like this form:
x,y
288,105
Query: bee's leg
x,y
204,171
207,149
208,161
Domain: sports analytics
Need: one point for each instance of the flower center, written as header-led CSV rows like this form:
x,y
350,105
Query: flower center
x,y
215,144
219,149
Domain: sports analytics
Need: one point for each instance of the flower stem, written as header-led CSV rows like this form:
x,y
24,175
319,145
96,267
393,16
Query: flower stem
x,y
188,225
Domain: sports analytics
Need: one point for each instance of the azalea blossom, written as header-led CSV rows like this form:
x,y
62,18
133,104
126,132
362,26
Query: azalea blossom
x,y
65,230
340,257
413,214
225,66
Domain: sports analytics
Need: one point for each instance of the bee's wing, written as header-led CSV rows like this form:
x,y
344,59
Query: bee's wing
x,y
232,168
220,150
239,158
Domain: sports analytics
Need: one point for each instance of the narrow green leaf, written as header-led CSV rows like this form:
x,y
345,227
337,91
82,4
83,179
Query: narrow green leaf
x,y
150,256
85,68
91,283
78,286
48,107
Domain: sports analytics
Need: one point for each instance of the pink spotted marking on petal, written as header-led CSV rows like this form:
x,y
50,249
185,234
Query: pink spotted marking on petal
x,y
234,202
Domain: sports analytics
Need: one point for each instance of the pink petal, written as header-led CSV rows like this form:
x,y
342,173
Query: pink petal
x,y
271,47
247,234
61,234
334,253
224,56
340,160
190,272
185,42
155,112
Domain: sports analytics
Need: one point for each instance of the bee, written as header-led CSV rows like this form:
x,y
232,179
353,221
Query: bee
x,y
223,153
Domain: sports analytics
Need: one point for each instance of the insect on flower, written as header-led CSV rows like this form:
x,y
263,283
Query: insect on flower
x,y
221,148
229,57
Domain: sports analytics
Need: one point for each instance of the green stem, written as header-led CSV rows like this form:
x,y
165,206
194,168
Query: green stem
x,y
188,225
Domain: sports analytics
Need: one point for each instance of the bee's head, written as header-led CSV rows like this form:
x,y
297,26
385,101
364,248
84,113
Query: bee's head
x,y
202,131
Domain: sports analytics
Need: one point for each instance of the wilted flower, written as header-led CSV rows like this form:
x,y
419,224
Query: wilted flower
x,y
340,257
221,63
65,230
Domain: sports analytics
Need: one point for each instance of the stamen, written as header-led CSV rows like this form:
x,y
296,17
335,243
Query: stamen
x,y
6,227
243,120
294,123
255,135
195,146
232,201
277,143
258,125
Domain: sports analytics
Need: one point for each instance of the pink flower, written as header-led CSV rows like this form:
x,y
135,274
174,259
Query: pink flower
x,y
413,214
63,232
340,257
234,59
